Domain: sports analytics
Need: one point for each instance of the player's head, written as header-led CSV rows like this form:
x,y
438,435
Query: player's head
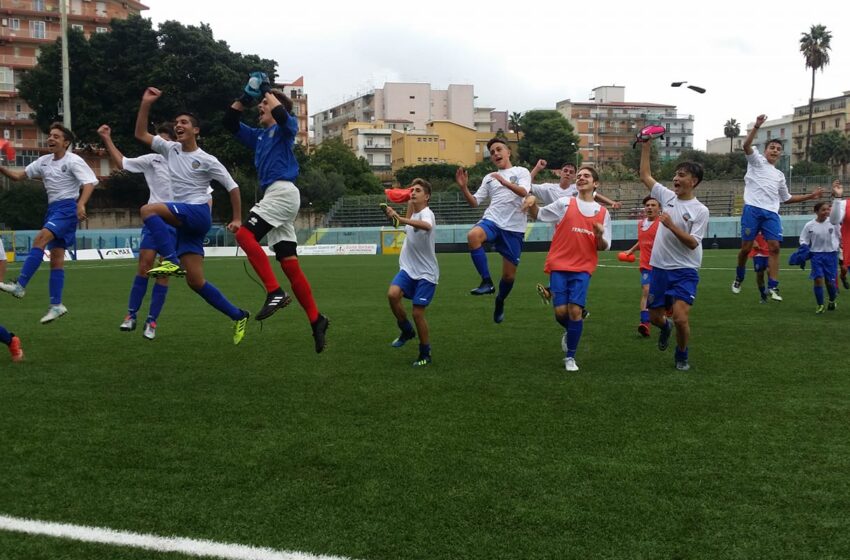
x,y
166,131
687,176
568,175
59,138
822,210
266,118
587,178
773,150
651,207
420,191
500,153
187,127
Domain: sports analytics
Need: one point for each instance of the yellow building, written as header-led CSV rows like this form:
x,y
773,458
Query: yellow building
x,y
481,139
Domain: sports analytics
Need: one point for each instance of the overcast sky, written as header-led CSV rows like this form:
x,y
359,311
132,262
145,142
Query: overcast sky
x,y
530,54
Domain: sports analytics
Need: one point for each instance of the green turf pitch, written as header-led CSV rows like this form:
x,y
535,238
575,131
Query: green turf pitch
x,y
492,452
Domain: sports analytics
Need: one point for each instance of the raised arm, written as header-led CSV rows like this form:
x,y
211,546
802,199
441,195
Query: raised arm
x,y
148,98
538,167
645,167
815,194
748,142
13,174
106,136
462,179
836,215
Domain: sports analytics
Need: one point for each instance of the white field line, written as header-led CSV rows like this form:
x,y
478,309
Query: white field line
x,y
191,547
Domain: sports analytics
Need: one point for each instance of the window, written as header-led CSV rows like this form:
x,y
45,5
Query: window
x,y
100,9
76,7
822,126
77,26
38,5
782,133
100,29
7,79
442,144
799,129
19,134
413,112
769,134
413,97
837,123
15,24
38,30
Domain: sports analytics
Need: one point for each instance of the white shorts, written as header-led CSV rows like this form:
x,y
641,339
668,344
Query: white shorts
x,y
279,208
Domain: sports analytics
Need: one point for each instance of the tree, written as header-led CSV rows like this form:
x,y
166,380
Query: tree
x,y
515,122
319,190
832,148
815,48
631,158
23,205
333,156
428,171
547,135
731,130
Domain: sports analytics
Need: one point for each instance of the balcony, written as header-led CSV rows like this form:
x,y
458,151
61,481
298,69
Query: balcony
x,y
374,147
26,36
13,117
18,61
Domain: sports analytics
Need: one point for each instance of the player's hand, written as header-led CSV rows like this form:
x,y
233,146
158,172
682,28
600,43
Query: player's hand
x,y
495,175
462,177
617,205
598,229
760,120
837,189
540,165
665,220
151,94
528,202
81,212
234,226
104,131
817,193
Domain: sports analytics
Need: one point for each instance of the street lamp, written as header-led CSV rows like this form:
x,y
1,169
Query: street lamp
x,y
790,175
575,149
596,155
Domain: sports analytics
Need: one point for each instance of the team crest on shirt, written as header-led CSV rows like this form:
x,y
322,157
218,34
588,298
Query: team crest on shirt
x,y
686,217
196,164
64,168
270,133
747,231
513,178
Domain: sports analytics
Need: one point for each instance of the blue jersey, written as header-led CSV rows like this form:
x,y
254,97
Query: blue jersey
x,y
273,155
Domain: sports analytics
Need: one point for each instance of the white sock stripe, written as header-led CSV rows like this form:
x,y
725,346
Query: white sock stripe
x,y
191,547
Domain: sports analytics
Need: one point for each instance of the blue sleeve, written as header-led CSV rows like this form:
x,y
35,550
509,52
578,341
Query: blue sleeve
x,y
287,123
247,135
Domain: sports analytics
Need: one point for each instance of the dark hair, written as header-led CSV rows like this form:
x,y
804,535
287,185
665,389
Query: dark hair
x,y
647,198
774,141
66,132
570,164
196,122
692,168
426,186
593,172
284,100
166,128
820,205
497,140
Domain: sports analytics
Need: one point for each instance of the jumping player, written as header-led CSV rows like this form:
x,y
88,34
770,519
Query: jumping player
x,y
823,238
647,229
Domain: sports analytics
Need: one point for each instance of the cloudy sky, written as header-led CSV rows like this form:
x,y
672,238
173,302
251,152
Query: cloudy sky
x,y
530,54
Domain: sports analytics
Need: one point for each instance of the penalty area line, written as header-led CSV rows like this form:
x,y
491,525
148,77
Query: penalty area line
x,y
191,547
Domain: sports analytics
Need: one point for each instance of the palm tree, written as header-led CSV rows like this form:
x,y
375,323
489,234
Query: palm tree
x,y
514,121
731,130
815,48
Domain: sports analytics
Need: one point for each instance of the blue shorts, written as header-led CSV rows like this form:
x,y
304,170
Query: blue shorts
x,y
507,243
62,222
147,242
568,287
759,263
195,222
644,276
824,265
421,292
755,220
668,285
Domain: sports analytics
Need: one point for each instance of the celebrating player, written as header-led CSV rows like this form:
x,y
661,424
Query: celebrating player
x,y
192,170
417,278
584,228
275,214
503,222
647,229
64,173
823,238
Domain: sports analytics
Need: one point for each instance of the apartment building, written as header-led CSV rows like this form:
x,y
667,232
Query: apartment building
x,y
373,141
827,114
440,142
295,91
396,101
607,125
25,26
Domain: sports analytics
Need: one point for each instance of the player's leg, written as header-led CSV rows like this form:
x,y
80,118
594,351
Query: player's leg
x,y
139,288
401,283
681,313
56,284
248,237
656,302
475,239
157,217
31,264
286,254
13,343
749,230
424,357
643,326
771,227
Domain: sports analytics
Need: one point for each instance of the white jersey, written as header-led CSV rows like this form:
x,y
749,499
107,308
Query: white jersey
x,y
62,177
504,209
764,185
555,212
192,172
668,252
157,175
547,193
418,257
821,237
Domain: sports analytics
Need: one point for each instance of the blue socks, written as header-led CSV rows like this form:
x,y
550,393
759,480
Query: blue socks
x,y
55,285
819,294
31,264
505,288
165,244
157,301
5,336
771,283
681,355
574,329
740,271
644,316
406,327
424,351
479,259
831,290
137,294
215,298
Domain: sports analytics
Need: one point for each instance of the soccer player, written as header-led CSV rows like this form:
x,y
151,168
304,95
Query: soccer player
x,y
760,254
764,191
823,238
418,269
275,214
192,170
64,174
647,229
3,262
584,228
677,252
503,222
158,178
13,343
